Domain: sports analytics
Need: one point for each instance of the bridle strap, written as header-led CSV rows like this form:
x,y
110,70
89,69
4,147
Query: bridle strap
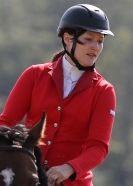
x,y
16,148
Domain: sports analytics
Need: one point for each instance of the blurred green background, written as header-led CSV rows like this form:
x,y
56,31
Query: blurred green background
x,y
28,36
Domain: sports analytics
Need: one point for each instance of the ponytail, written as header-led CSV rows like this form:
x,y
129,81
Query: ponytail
x,y
58,54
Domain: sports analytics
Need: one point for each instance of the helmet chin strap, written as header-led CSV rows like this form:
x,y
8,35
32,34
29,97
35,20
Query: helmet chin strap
x,y
71,55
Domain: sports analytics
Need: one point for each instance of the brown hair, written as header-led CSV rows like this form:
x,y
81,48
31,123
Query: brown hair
x,y
58,54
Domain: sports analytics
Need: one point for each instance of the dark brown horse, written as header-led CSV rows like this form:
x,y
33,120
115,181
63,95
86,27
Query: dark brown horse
x,y
20,158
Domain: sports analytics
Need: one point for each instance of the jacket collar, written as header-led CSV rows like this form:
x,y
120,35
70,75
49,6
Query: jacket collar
x,y
86,80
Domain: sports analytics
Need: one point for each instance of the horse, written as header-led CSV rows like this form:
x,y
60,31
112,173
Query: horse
x,y
20,156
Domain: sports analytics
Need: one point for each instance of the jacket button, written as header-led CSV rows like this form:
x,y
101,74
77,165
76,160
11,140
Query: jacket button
x,y
45,162
59,108
55,125
49,142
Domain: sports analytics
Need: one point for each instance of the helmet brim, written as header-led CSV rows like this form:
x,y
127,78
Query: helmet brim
x,y
105,32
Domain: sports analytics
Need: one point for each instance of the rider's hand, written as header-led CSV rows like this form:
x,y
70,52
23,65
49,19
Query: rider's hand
x,y
58,174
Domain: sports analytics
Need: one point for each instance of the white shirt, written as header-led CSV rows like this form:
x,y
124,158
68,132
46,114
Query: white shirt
x,y
71,76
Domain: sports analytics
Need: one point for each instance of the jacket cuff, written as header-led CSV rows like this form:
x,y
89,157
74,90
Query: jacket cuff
x,y
72,177
77,170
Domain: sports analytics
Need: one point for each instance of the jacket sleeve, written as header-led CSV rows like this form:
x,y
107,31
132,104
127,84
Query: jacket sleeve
x,y
97,142
19,98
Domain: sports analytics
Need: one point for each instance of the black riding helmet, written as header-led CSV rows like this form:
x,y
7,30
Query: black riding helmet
x,y
78,19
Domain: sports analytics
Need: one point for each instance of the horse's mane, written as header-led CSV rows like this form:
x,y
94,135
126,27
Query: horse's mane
x,y
41,171
15,135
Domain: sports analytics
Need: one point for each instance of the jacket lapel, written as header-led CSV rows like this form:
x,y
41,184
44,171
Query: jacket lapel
x,y
86,80
56,73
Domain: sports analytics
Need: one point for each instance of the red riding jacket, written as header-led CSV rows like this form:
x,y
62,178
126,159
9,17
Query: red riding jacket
x,y
78,127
